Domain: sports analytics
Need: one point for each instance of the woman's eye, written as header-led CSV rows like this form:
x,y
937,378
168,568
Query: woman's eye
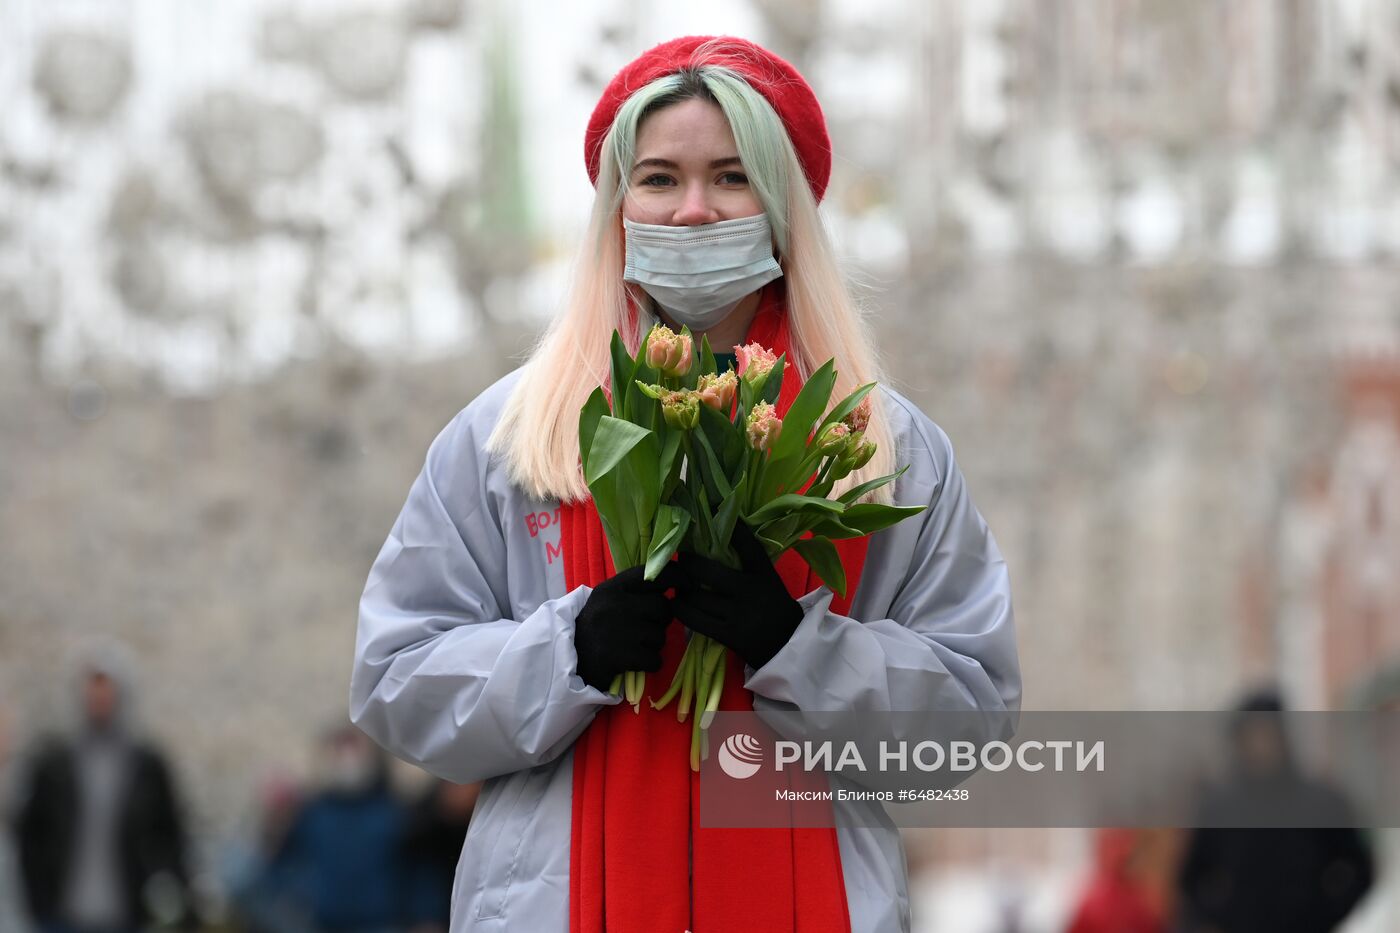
x,y
734,178
660,181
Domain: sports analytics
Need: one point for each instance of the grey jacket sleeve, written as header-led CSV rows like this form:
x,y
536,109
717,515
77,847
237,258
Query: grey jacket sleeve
x,y
442,676
933,628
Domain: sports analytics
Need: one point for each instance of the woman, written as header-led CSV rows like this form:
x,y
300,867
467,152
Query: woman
x,y
492,621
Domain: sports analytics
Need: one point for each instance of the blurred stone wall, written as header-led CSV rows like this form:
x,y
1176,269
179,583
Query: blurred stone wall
x,y
253,256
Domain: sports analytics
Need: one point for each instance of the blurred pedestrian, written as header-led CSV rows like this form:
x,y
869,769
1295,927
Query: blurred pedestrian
x,y
342,857
13,918
101,840
1114,901
1271,880
259,900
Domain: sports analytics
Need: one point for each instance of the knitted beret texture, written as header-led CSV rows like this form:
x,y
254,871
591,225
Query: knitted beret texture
x,y
779,83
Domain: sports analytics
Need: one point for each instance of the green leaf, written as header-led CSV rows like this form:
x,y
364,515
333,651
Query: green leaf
x,y
623,372
670,448
707,357
792,502
729,509
746,400
781,476
715,478
595,408
726,440
641,405
774,383
869,517
820,554
622,539
855,492
773,548
613,440
622,476
640,502
847,405
829,526
705,541
805,410
671,525
681,498
788,465
782,529
643,460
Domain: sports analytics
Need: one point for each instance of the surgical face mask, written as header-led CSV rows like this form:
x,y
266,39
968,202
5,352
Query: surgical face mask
x,y
700,274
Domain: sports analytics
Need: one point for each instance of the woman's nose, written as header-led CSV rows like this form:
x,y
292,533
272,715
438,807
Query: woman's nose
x,y
695,209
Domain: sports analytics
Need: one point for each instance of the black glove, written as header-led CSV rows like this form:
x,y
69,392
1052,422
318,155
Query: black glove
x,y
747,610
622,625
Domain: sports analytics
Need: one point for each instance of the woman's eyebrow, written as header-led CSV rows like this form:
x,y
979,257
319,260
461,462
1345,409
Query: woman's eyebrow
x,y
667,163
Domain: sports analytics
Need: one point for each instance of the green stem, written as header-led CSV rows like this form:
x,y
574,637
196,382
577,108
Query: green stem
x,y
682,672
716,690
695,744
707,673
615,688
756,463
822,487
697,642
806,466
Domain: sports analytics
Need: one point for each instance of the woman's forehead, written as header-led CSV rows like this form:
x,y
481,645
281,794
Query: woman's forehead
x,y
693,130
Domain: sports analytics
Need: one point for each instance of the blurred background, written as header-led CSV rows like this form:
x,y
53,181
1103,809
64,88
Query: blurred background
x,y
1139,258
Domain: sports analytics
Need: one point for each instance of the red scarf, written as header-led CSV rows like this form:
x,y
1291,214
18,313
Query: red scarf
x,y
636,803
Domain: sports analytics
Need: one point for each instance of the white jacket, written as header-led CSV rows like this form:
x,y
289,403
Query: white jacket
x,y
465,665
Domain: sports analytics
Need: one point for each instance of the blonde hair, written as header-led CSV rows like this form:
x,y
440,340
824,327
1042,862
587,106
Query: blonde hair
x,y
537,433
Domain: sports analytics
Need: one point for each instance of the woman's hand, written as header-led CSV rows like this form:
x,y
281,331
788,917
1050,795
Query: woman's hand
x,y
747,610
622,625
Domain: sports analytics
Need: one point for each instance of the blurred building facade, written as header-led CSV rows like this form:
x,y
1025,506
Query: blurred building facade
x,y
1139,258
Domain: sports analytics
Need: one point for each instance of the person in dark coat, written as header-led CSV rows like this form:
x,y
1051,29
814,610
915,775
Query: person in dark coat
x,y
342,858
99,826
1279,880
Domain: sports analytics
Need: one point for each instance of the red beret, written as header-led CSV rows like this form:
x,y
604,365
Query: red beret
x,y
772,77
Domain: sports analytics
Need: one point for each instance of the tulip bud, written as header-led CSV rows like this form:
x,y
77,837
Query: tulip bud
x,y
858,419
681,409
718,391
833,439
856,455
763,426
862,454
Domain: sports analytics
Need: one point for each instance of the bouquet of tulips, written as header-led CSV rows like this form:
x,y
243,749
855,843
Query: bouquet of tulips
x,y
675,463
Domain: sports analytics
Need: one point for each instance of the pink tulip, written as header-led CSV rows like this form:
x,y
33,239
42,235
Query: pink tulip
x,y
718,391
764,426
755,360
668,351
